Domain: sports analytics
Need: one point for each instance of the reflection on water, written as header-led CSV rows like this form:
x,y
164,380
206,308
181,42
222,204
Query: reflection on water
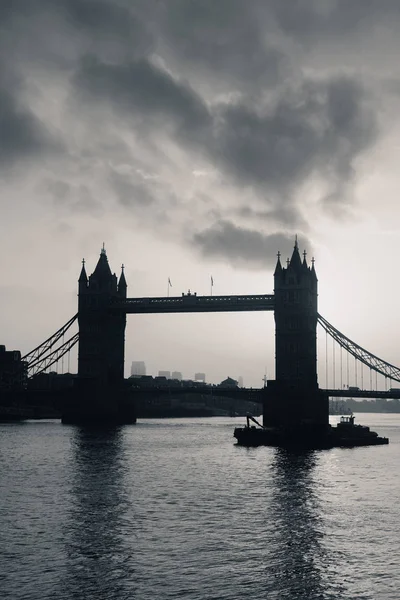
x,y
95,530
299,567
174,510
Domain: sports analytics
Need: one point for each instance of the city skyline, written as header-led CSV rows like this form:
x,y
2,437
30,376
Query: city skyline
x,y
192,158
139,368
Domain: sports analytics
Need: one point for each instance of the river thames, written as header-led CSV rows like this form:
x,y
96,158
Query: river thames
x,y
173,508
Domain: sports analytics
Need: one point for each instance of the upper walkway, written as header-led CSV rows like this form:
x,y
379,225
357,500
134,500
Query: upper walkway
x,y
193,303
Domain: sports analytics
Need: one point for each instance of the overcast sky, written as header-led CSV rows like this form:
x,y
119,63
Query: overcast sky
x,y
197,137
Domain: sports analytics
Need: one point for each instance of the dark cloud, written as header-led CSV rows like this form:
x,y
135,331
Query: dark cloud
x,y
22,135
72,199
224,38
283,215
319,128
131,193
104,21
316,129
147,201
242,247
142,90
99,16
229,84
310,19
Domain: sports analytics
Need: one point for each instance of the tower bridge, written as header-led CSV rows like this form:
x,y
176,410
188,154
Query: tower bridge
x,y
292,398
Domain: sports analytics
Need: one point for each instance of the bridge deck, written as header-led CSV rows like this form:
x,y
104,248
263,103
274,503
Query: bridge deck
x,y
257,394
363,394
194,303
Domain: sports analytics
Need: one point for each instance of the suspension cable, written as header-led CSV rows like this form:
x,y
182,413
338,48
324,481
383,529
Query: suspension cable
x,y
367,358
49,343
40,365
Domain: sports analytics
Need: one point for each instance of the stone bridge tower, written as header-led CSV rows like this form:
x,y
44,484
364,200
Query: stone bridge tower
x,y
100,395
101,329
294,397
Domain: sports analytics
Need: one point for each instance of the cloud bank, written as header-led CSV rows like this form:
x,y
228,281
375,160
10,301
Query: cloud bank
x,y
232,116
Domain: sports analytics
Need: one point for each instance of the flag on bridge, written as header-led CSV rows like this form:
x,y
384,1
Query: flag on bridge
x,y
169,282
212,281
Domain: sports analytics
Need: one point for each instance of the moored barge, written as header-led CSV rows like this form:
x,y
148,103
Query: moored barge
x,y
346,434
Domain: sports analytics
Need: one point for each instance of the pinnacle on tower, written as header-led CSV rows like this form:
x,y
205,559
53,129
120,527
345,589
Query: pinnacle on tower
x,y
313,272
278,268
305,265
83,278
122,283
295,261
102,270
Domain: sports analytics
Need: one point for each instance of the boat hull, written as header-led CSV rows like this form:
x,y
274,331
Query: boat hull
x,y
303,438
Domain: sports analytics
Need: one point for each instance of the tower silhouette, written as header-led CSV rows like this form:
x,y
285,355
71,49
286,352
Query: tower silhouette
x,y
296,313
101,330
294,395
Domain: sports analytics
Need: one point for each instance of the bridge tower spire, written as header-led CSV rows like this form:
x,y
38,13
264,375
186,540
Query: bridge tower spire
x,y
83,279
122,286
294,395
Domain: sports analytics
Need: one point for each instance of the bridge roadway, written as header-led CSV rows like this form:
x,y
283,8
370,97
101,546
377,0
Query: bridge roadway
x,y
254,394
193,303
390,395
249,394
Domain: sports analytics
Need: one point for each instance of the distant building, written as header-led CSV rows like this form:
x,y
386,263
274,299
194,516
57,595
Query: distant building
x,y
52,381
240,381
166,374
228,382
13,370
200,377
143,381
138,368
176,375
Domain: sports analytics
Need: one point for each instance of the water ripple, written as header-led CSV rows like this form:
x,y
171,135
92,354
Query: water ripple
x,y
173,509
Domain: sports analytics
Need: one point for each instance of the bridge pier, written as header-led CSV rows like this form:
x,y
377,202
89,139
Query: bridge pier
x,y
108,405
287,407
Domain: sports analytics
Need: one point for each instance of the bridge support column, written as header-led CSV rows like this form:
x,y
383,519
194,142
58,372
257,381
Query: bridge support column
x,y
288,407
89,405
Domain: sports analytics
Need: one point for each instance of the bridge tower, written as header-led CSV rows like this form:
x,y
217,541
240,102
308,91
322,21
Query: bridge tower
x,y
101,330
101,346
294,397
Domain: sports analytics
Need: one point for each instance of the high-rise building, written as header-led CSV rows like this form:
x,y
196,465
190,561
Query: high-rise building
x,y
138,368
200,377
176,375
166,374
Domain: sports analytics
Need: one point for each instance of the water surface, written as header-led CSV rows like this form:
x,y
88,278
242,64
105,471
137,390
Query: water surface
x,y
174,509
